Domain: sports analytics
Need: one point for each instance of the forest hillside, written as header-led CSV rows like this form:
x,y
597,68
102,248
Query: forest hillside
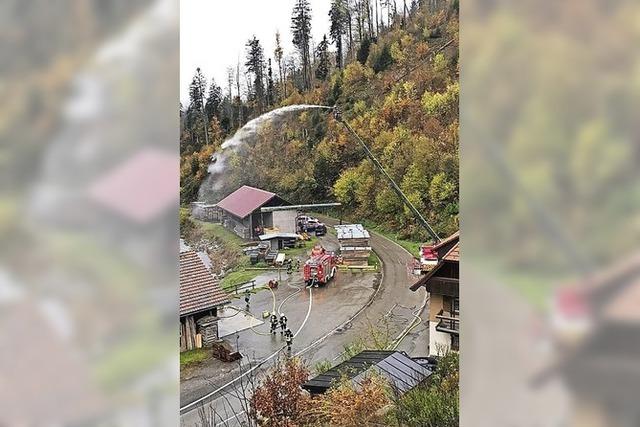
x,y
396,81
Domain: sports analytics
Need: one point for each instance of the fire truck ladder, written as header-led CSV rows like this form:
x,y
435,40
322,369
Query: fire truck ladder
x,y
338,116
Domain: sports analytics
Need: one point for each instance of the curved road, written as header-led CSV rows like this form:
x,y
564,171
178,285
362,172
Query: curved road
x,y
390,309
390,312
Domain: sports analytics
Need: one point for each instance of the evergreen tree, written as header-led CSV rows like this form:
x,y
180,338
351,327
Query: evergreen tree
x,y
338,17
301,29
322,56
279,54
363,50
254,66
214,100
197,89
270,86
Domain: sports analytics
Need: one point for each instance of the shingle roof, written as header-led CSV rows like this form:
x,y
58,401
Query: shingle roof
x,y
198,289
453,254
402,372
441,243
245,200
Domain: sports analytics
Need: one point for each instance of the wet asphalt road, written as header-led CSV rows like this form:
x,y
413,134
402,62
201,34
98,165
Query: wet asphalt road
x,y
317,312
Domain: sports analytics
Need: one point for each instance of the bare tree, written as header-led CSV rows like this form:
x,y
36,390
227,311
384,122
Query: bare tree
x,y
240,118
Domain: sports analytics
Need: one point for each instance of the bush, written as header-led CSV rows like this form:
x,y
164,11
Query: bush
x,y
346,406
186,223
380,58
280,400
436,404
322,366
363,50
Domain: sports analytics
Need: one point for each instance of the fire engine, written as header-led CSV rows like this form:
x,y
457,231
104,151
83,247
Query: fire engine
x,y
320,268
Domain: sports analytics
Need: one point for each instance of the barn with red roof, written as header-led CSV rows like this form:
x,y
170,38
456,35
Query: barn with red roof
x,y
242,212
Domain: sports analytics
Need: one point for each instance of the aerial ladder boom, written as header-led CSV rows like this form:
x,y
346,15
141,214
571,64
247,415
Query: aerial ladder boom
x,y
423,222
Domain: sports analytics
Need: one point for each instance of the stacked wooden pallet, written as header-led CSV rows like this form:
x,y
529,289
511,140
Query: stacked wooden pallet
x,y
208,327
354,244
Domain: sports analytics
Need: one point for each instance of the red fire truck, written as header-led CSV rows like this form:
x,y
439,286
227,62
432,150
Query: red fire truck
x,y
319,268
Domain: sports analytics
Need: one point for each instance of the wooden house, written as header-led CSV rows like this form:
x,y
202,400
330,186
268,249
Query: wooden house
x,y
200,297
443,285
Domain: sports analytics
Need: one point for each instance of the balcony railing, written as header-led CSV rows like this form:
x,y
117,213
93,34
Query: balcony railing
x,y
448,323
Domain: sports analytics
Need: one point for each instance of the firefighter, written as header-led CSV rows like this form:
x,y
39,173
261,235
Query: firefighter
x,y
289,267
247,295
274,323
288,337
283,323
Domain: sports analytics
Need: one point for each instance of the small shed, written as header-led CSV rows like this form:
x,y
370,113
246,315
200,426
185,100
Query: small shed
x,y
200,297
242,214
279,241
401,371
355,247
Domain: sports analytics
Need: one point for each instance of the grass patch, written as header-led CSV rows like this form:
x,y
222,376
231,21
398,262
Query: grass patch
x,y
373,260
237,278
411,246
217,232
192,357
322,366
306,246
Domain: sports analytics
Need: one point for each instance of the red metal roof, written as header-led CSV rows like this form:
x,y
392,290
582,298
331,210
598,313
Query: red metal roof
x,y
245,200
198,289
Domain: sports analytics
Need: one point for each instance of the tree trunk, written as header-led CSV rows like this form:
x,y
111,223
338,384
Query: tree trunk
x,y
240,118
350,33
404,13
377,22
369,16
280,73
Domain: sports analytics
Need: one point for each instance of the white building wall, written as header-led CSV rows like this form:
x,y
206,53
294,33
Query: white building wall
x,y
285,221
438,341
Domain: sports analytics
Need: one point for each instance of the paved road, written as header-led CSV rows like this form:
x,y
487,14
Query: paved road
x,y
394,295
392,310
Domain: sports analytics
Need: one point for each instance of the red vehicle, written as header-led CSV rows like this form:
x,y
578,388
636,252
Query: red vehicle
x,y
320,268
428,258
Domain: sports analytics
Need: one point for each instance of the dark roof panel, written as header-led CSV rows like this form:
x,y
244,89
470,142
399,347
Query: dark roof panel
x,y
400,370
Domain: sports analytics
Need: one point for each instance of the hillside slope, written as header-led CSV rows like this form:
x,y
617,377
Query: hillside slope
x,y
400,94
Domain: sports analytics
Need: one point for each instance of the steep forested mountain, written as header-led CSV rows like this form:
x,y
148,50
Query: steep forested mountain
x,y
393,71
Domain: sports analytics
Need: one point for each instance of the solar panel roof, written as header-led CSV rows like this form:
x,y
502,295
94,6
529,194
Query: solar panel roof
x,y
402,372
